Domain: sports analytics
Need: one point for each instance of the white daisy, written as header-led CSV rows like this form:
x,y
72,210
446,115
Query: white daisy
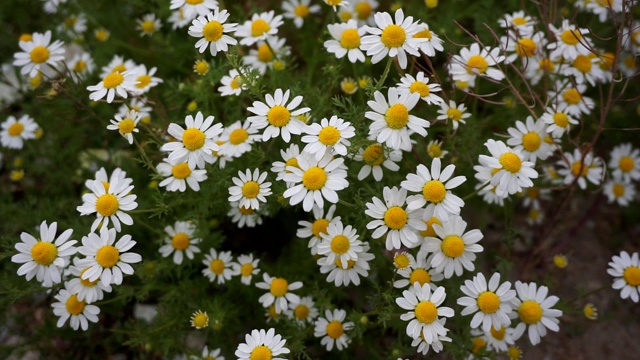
x,y
519,22
526,48
148,24
625,162
114,83
126,125
514,174
211,29
101,175
535,312
453,249
290,157
207,354
340,244
238,139
625,270
337,3
434,149
244,216
344,275
453,112
278,117
14,131
571,97
332,329
619,191
140,105
259,27
392,123
250,189
180,242
299,10
81,66
474,61
363,11
87,291
279,292
529,139
117,64
145,79
219,266
432,41
179,174
420,84
109,204
69,307
46,256
558,120
192,8
304,311
346,40
497,339
38,54
375,157
424,311
330,135
423,346
570,42
178,19
585,68
490,303
582,167
262,345
247,267
268,53
107,259
232,84
195,143
419,271
349,86
314,230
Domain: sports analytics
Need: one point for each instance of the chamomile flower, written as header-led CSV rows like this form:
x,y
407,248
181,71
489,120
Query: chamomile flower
x,y
375,157
534,310
558,121
190,9
590,311
337,3
290,157
117,64
109,204
80,66
340,244
314,230
78,312
514,173
232,84
570,42
38,54
126,125
199,319
140,105
304,311
423,346
391,218
332,328
519,22
247,266
13,132
363,11
315,181
420,84
474,61
344,275
107,259
453,249
418,272
434,149
244,216
299,10
572,99
279,292
625,270
456,113
180,241
219,266
490,303
195,143
51,6
625,162
436,189
250,189
101,175
207,354
148,24
498,339
619,191
583,167
528,138
392,39
145,79
392,124
259,27
211,28
346,40
46,256
114,83
267,54
178,20
239,138
585,69
179,174
432,41
87,291
424,311
262,345
526,48
329,135
348,86
277,116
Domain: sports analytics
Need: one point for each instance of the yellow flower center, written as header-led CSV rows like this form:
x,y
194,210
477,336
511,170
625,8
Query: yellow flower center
x,y
301,312
279,287
44,253
278,116
36,80
202,68
16,129
25,37
426,312
39,54
246,269
630,62
74,306
119,68
301,11
314,178
561,119
477,64
213,31
401,261
546,65
570,37
420,88
430,231
607,59
201,320
530,312
519,21
107,205
345,15
245,211
329,135
216,266
498,334
148,26
526,47
350,39
514,353
453,246
531,141
420,276
397,116
101,35
143,81
363,9
434,150
181,171
79,66
578,169
510,162
107,256
194,2
349,87
87,283
560,261
236,83
319,227
454,114
590,312
373,155
180,241
335,329
393,36
632,275
395,217
477,345
279,65
334,2
250,189
582,63
260,353
259,27
340,244
618,190
434,191
126,126
264,53
193,139
488,302
113,80
424,34
626,163
238,136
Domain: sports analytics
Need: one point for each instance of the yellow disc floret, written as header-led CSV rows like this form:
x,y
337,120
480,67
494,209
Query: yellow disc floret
x,y
511,162
16,129
477,65
107,256
395,217
329,135
278,116
572,96
560,119
259,27
250,189
578,169
74,306
264,53
143,81
434,191
632,275
107,205
430,231
126,126
426,312
570,37
401,260
526,47
531,141
420,276
373,155
335,329
212,31
393,36
279,287
193,139
340,244
530,312
498,333
582,63
350,39
216,266
420,88
39,54
301,312
180,241
260,353
44,253
246,269
238,136
397,116
453,246
626,163
488,302
181,171
113,80
319,227
301,11
314,178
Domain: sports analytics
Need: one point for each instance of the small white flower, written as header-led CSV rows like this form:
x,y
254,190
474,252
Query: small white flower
x,y
191,9
420,84
279,292
424,311
375,157
490,303
250,189
625,162
110,203
259,27
534,310
514,173
87,291
238,138
277,116
433,42
519,22
262,345
180,241
330,135
126,125
346,40
314,230
345,275
419,271
232,84
69,307
219,266
304,311
299,10
339,245
474,61
584,167
571,98
247,267
529,139
456,113
145,79
570,42
290,157
14,131
148,24
558,120
179,174
269,52
244,216
194,144
625,270
114,83
39,54
211,28
332,329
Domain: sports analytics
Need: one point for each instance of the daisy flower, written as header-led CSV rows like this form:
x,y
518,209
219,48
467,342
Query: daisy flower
x,y
250,189
391,218
199,319
424,311
344,275
529,139
622,192
14,131
191,9
625,270
349,86
420,84
304,311
570,97
363,11
392,123
207,354
490,303
290,157
88,291
211,28
148,24
51,6
453,249
436,189
474,62
117,64
374,159
247,267
526,48
195,143
515,173
46,256
575,166
145,79
453,112
432,41
346,40
38,53
180,241
178,20
393,40
590,311
585,68
262,345
558,121
140,106
423,346
419,271
497,339
78,312
434,149
625,162
332,329
232,84
298,10
106,258
219,266
109,204
101,175
114,83
339,245
277,116
315,181
81,65
126,126
337,3
179,174
239,138
259,27
571,42
279,292
314,230
244,216
330,135
535,312
519,22
267,54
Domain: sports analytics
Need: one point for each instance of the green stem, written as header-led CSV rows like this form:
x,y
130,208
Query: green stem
x,y
477,191
384,74
144,156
